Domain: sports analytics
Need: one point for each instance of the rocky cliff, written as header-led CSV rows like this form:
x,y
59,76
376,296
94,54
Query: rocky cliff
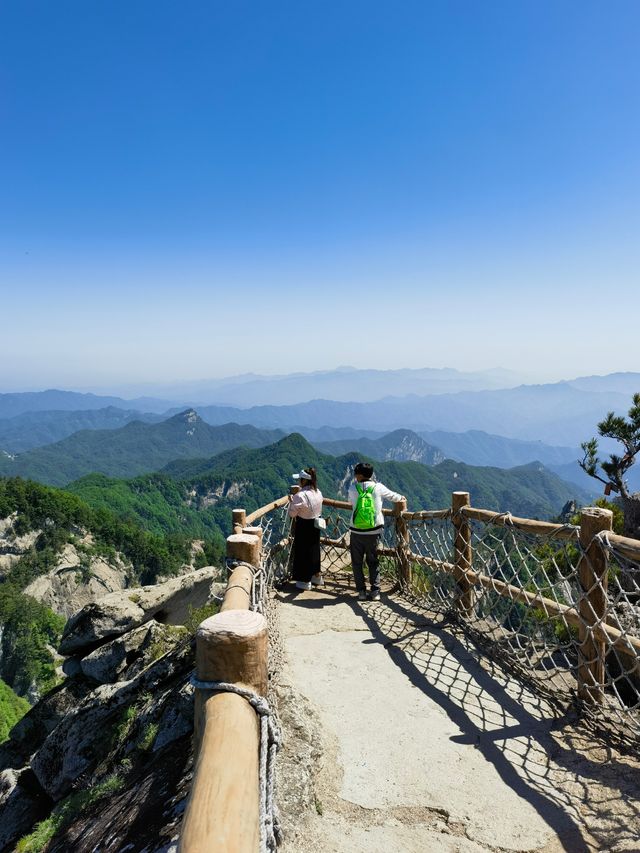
x,y
102,762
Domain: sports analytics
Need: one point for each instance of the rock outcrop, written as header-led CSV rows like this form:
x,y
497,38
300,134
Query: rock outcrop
x,y
13,546
77,580
113,741
119,612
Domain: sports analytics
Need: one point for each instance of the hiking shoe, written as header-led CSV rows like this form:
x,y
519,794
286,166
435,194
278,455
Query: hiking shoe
x,y
303,585
317,580
362,595
375,596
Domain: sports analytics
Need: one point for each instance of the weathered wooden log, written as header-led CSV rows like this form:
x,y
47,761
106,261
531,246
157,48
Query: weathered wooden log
x,y
426,514
244,547
526,525
628,547
264,510
238,520
237,595
402,544
223,809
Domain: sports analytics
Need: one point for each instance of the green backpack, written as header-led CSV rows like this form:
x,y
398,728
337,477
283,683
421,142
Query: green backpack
x,y
364,515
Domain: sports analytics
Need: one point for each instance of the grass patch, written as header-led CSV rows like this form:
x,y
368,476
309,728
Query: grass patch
x,y
73,806
199,614
148,736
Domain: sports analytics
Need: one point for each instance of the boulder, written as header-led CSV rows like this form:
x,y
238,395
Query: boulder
x,y
128,655
21,807
113,615
84,737
177,718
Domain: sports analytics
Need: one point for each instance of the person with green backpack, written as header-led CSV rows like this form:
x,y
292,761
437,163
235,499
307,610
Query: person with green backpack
x,y
367,523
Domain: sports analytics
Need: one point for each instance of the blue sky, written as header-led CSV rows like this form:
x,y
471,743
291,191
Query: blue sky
x,y
187,190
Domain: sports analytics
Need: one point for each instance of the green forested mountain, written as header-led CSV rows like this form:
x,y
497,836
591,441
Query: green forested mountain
x,y
197,496
28,628
36,429
133,449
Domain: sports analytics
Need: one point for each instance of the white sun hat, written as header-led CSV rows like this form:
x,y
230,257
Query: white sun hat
x,y
303,475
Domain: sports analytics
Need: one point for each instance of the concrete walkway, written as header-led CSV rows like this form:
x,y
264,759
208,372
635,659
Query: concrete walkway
x,y
416,742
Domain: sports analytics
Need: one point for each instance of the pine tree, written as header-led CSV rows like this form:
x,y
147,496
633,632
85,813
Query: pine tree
x,y
627,432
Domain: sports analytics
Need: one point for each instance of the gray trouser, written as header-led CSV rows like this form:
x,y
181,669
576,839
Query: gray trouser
x,y
364,545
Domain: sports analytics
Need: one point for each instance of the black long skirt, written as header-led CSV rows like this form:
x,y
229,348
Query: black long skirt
x,y
306,550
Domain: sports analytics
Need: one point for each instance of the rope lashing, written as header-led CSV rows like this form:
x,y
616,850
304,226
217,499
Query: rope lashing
x,y
602,538
270,741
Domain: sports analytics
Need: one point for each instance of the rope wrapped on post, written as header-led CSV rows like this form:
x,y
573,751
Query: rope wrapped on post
x,y
270,742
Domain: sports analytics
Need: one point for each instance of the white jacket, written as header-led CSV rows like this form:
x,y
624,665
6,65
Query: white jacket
x,y
380,493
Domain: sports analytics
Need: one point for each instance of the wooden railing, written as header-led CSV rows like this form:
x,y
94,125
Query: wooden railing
x,y
223,809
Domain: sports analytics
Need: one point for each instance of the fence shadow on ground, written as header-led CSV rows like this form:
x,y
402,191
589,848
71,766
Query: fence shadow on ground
x,y
585,791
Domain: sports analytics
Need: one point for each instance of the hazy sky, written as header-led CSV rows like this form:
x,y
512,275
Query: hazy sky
x,y
199,189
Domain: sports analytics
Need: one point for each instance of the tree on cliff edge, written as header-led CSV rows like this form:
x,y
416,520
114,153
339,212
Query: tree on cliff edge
x,y
627,432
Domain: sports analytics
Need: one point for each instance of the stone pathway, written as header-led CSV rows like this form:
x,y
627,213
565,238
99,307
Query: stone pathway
x,y
400,737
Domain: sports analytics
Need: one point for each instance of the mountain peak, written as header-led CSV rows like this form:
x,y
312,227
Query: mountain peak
x,y
189,416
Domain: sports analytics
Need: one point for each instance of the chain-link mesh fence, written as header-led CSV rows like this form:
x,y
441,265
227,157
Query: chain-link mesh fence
x,y
561,610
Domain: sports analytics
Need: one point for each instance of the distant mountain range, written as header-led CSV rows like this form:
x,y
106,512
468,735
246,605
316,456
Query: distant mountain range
x,y
53,400
35,429
133,449
556,414
343,383
474,448
505,427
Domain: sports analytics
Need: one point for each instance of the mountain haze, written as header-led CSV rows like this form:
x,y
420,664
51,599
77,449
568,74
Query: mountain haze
x,y
36,429
556,414
54,400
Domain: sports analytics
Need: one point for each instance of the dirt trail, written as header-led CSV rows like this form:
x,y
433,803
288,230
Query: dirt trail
x,y
400,737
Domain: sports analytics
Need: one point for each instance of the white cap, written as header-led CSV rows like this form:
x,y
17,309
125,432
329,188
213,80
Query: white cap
x,y
303,475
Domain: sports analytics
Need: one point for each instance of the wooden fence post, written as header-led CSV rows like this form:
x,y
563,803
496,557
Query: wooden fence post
x,y
238,519
223,812
255,531
402,544
463,554
593,603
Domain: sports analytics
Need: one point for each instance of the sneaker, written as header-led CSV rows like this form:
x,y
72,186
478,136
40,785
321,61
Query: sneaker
x,y
375,596
303,585
362,595
317,580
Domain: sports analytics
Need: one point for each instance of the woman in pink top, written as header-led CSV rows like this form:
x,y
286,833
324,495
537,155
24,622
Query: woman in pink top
x,y
305,506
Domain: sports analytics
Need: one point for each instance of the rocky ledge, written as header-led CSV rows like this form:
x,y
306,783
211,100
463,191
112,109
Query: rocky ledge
x,y
102,762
